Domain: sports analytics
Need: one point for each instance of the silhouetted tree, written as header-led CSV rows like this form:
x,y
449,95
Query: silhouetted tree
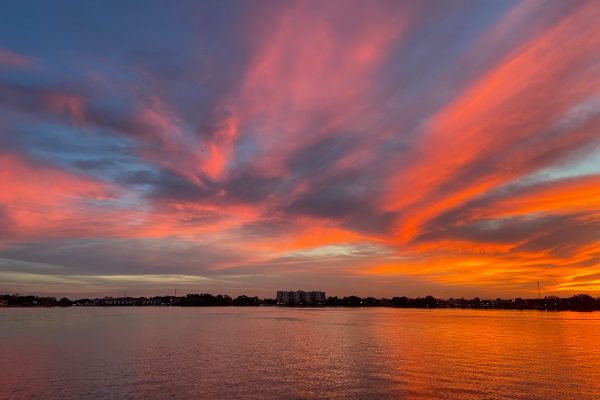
x,y
400,301
64,302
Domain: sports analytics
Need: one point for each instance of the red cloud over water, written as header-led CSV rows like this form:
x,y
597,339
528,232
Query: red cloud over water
x,y
369,149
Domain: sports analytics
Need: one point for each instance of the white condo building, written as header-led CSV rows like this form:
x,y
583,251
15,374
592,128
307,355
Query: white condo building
x,y
300,297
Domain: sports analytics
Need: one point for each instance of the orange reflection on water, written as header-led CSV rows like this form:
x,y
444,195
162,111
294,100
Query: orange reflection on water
x,y
269,352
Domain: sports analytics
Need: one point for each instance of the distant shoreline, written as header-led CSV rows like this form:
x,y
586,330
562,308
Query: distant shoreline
x,y
310,307
580,302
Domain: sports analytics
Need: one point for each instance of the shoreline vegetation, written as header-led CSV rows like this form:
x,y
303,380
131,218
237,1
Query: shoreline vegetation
x,y
580,302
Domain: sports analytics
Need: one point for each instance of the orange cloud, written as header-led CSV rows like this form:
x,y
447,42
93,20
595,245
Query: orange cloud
x,y
572,195
42,201
507,106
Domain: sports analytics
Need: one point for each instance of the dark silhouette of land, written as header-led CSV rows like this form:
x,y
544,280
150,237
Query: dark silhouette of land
x,y
580,302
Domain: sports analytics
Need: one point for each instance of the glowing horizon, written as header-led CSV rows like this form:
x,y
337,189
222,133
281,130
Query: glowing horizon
x,y
369,148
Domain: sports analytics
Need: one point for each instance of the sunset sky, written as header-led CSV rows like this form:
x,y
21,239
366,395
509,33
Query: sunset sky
x,y
357,147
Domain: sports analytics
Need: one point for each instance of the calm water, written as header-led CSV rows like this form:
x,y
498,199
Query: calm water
x,y
255,353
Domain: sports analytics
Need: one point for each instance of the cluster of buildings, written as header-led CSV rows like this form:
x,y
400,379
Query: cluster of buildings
x,y
300,297
130,301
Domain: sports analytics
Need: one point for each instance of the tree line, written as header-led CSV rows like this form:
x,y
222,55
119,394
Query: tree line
x,y
580,302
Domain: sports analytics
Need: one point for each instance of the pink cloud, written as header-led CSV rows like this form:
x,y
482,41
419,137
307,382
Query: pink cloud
x,y
11,59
